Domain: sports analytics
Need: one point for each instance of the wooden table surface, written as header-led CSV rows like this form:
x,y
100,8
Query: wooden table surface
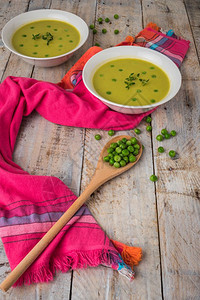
x,y
162,217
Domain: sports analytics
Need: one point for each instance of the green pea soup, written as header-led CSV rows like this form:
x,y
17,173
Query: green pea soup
x,y
45,38
131,82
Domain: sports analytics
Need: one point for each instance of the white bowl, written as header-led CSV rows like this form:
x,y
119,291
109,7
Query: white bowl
x,y
149,55
44,14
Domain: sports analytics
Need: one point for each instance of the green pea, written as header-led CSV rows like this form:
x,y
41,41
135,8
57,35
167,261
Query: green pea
x,y
116,164
148,128
116,16
136,146
114,153
110,150
106,158
124,140
153,178
100,20
161,149
117,158
128,143
113,145
159,138
125,152
116,31
111,155
167,136
172,153
132,158
126,159
111,132
164,131
118,150
123,146
119,142
97,137
173,133
122,163
130,148
142,147
94,31
148,119
136,152
137,131
107,20
133,141
111,161
104,30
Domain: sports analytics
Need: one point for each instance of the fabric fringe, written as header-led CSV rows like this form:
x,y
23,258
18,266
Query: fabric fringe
x,y
73,260
130,255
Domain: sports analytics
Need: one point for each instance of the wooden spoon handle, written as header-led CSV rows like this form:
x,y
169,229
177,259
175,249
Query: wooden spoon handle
x,y
48,237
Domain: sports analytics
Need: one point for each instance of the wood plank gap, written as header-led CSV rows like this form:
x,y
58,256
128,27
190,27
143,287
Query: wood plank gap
x,y
142,13
95,15
195,45
71,285
158,229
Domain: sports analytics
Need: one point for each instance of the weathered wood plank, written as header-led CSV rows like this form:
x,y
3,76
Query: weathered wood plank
x,y
172,15
177,189
124,207
193,11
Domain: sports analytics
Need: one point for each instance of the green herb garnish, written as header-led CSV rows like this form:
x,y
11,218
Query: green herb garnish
x,y
35,36
129,81
48,37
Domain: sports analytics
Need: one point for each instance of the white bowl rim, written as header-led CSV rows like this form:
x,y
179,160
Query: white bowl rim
x,y
151,106
44,58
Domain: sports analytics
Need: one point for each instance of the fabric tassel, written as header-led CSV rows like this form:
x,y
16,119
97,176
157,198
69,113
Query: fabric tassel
x,y
130,255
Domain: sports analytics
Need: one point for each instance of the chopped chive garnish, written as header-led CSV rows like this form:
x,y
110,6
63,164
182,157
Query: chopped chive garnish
x,y
108,92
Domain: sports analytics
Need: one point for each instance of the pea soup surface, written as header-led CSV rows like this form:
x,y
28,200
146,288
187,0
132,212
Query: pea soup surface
x,y
130,81
45,38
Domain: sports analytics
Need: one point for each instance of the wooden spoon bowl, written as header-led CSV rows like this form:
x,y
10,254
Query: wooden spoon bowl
x,y
103,173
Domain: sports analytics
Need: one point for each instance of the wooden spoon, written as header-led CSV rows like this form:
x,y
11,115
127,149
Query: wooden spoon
x,y
103,173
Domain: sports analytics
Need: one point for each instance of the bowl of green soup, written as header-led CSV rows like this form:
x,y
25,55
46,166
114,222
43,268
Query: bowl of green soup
x,y
45,37
131,79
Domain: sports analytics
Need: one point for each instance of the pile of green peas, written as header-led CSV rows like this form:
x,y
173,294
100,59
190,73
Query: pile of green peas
x,y
122,152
